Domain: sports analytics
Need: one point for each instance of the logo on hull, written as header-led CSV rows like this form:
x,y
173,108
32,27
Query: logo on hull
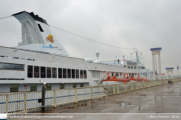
x,y
50,39
50,46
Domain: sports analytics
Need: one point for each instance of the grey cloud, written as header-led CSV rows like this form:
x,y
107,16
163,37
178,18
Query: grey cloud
x,y
140,24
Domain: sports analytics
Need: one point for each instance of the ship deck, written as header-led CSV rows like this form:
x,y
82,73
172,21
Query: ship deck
x,y
159,99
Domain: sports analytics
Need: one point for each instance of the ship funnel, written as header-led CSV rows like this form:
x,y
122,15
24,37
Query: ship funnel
x,y
37,35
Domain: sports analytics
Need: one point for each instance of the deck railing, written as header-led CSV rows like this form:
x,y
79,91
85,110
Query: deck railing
x,y
28,101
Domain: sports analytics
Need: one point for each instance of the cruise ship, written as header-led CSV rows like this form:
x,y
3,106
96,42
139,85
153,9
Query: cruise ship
x,y
39,56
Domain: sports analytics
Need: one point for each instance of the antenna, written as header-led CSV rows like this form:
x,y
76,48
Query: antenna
x,y
97,54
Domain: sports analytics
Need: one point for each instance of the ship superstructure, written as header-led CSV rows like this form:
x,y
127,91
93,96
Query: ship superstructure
x,y
41,57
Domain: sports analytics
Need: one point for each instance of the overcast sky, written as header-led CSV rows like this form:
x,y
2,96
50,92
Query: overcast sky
x,y
141,24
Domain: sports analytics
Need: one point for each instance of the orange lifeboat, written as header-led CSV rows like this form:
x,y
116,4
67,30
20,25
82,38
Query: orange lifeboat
x,y
124,80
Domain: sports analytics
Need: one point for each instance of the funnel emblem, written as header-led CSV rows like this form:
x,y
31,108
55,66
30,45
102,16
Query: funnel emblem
x,y
50,39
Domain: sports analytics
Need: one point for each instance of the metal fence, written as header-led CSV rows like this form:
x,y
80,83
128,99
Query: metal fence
x,y
28,101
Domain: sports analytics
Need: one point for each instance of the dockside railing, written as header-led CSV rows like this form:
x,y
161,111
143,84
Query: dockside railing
x,y
28,101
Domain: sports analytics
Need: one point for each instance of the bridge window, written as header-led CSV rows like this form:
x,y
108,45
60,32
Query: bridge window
x,y
85,74
59,72
13,88
49,73
36,71
33,87
11,66
40,28
81,73
73,73
64,73
77,73
54,72
43,72
30,71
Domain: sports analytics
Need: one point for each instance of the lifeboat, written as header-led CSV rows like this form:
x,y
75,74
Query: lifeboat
x,y
126,79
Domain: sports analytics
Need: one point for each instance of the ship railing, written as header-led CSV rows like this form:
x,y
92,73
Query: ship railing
x,y
14,103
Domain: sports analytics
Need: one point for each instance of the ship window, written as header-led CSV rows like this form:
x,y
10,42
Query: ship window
x,y
48,87
49,73
40,28
85,74
62,86
131,67
54,72
128,67
36,71
74,85
69,73
64,73
30,71
81,73
33,87
59,72
13,88
117,74
112,74
73,73
11,66
77,73
95,74
120,74
43,74
81,84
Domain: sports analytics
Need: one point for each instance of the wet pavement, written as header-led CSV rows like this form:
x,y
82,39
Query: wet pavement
x,y
159,99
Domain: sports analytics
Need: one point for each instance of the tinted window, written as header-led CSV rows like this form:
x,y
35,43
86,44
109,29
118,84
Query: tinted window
x,y
64,73
54,72
49,72
30,71
11,66
81,84
74,85
73,73
69,73
40,27
85,74
117,74
43,74
48,87
36,71
59,72
77,73
33,87
13,88
61,86
81,73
